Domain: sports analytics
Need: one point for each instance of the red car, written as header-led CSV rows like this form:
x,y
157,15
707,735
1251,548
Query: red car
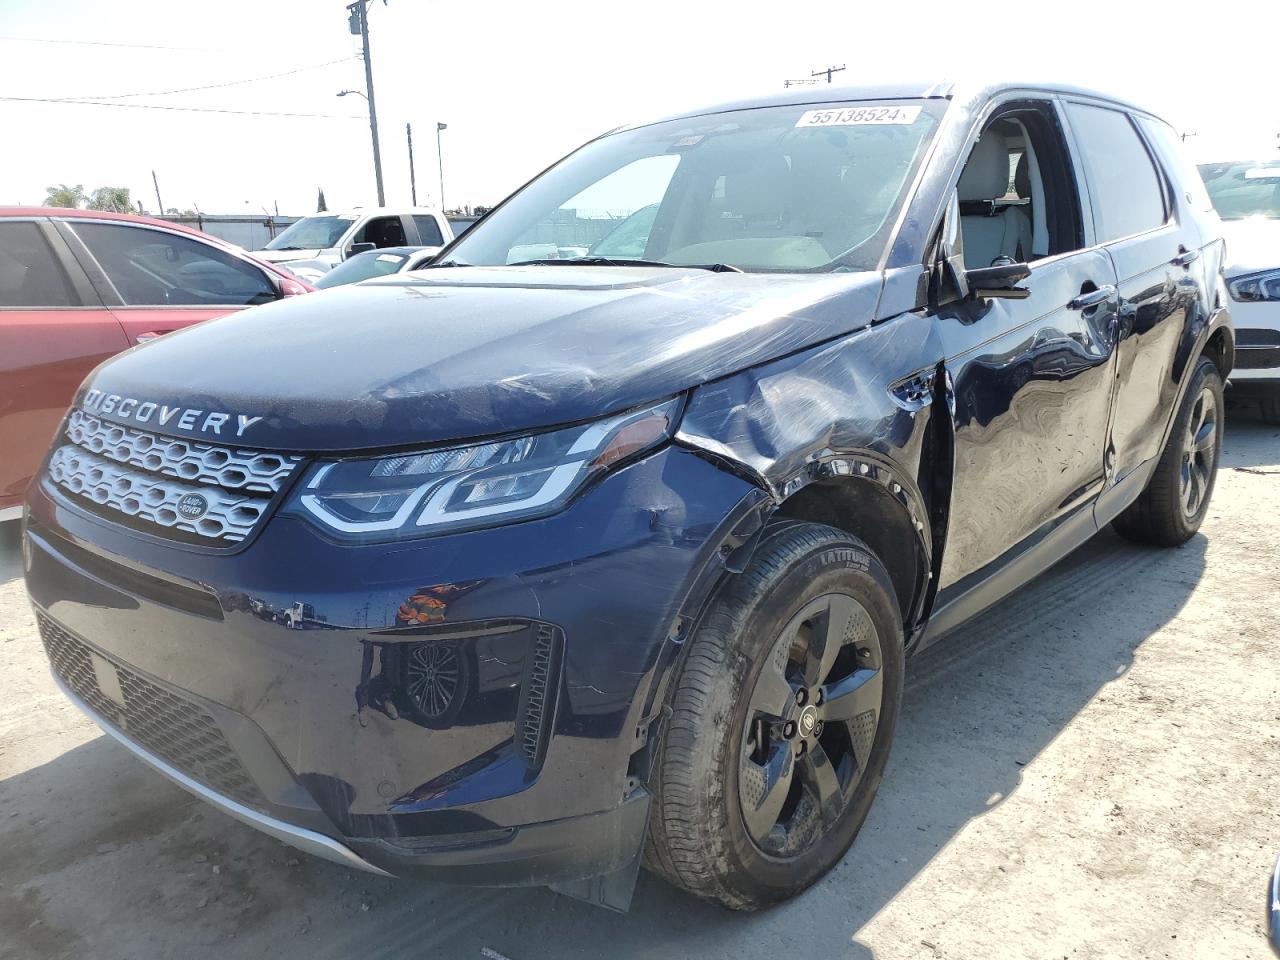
x,y
77,286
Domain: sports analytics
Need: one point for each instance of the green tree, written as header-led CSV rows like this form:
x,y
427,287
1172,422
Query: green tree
x,y
65,196
321,206
114,199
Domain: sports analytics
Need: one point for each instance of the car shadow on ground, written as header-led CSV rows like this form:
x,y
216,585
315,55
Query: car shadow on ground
x,y
1245,445
97,846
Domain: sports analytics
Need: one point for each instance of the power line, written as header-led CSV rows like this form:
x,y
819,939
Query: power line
x,y
105,43
156,106
210,86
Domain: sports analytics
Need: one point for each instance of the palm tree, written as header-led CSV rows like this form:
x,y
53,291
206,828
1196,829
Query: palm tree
x,y
65,196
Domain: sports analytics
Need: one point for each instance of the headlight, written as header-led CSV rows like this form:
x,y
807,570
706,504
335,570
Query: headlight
x,y
1257,286
481,484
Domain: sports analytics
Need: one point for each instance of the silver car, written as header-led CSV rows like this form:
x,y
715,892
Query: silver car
x,y
1246,195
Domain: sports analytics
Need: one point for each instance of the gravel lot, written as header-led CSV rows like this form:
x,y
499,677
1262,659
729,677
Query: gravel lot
x,y
1088,771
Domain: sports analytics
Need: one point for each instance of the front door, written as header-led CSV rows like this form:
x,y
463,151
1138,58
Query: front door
x,y
1031,378
161,281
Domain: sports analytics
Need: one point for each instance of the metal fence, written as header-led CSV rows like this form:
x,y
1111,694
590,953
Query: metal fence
x,y
252,233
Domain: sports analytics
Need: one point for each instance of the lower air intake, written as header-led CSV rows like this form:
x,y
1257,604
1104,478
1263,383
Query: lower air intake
x,y
170,726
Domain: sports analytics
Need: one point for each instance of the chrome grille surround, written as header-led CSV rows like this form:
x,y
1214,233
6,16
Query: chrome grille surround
x,y
187,460
142,477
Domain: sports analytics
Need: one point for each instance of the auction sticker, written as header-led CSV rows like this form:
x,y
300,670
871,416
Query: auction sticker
x,y
858,116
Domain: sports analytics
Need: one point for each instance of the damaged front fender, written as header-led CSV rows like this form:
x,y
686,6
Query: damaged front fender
x,y
842,414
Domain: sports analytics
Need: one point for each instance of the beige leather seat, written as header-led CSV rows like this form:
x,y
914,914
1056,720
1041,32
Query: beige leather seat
x,y
989,231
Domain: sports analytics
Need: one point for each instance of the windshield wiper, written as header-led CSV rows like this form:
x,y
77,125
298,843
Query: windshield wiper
x,y
292,248
444,263
626,262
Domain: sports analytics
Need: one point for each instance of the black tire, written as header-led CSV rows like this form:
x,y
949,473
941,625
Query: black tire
x,y
1269,408
699,837
1170,510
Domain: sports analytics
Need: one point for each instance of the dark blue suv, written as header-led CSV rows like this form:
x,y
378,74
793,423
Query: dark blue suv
x,y
539,563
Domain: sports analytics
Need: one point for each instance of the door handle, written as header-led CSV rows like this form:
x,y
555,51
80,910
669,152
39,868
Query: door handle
x,y
1093,297
150,335
1185,257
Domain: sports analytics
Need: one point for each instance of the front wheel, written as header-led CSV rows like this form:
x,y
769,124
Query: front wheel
x,y
782,718
1170,510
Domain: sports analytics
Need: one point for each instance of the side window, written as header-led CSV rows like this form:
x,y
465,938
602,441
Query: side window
x,y
428,231
30,275
1175,159
1127,198
1017,192
155,268
382,232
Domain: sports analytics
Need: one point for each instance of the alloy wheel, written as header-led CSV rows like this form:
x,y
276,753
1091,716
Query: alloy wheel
x,y
434,673
811,722
1199,453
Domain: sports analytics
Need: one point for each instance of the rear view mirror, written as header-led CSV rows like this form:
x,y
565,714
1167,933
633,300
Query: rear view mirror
x,y
356,248
999,281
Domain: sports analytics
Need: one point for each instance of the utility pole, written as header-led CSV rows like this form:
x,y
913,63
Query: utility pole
x,y
358,22
1189,133
413,183
440,158
828,71
157,183
798,83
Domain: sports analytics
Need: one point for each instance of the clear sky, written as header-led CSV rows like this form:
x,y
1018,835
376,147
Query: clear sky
x,y
520,84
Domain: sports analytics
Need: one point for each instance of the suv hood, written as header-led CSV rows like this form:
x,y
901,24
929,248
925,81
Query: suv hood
x,y
286,256
465,352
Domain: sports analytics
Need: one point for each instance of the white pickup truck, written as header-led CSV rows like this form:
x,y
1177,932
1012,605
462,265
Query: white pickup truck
x,y
315,244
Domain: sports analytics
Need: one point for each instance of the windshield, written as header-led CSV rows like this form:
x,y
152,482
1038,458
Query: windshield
x,y
312,233
361,267
1243,189
773,189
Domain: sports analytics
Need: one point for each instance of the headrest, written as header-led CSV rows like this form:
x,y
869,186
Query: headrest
x,y
986,175
1022,178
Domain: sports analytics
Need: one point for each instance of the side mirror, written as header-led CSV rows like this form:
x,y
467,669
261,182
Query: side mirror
x,y
999,281
360,248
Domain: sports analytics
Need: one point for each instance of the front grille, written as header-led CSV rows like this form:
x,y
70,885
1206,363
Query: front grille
x,y
169,726
1257,337
1257,358
193,491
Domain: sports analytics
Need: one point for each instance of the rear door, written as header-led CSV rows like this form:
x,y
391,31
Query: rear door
x,y
53,331
429,233
1157,269
157,281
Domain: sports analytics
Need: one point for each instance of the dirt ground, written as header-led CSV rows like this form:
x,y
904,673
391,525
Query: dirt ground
x,y
1090,770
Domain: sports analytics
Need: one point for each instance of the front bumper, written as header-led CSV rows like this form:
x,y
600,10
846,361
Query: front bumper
x,y
297,654
1257,352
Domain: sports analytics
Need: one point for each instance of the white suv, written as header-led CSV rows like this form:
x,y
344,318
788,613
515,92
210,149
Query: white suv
x,y
314,245
1246,195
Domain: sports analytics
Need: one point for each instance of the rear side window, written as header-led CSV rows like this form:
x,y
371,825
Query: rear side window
x,y
155,268
1127,198
1175,159
30,276
428,231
